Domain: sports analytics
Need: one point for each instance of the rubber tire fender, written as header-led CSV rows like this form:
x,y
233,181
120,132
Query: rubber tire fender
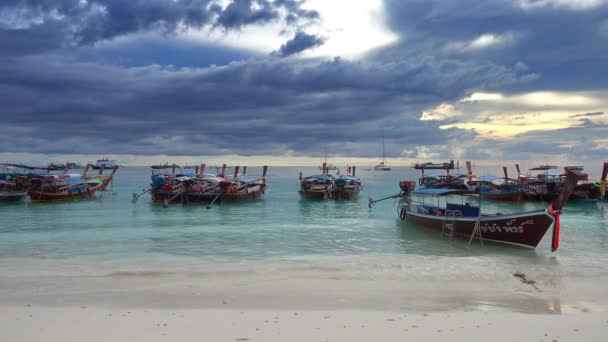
x,y
402,214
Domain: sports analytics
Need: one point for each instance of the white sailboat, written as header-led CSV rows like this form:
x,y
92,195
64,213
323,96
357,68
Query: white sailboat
x,y
328,167
381,166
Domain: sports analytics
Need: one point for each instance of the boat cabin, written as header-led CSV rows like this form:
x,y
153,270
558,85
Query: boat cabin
x,y
444,202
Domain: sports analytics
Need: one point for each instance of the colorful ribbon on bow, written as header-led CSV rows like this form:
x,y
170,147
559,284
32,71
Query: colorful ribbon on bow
x,y
555,240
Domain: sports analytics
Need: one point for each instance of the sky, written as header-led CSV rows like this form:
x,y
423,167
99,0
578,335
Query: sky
x,y
280,81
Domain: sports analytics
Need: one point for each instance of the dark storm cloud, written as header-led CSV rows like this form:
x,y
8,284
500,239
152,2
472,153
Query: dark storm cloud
x,y
35,26
240,13
53,102
566,45
249,107
300,42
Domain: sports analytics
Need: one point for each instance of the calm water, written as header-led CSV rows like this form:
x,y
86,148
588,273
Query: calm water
x,y
280,230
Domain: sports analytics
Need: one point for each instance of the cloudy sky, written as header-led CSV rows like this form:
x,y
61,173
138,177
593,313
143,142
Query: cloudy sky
x,y
279,80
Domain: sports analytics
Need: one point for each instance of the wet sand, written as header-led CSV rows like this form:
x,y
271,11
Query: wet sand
x,y
297,306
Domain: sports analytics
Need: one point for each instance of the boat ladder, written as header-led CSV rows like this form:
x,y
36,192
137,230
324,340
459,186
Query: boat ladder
x,y
447,230
476,231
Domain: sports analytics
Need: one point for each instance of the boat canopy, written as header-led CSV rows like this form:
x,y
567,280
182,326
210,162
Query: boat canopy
x,y
182,178
440,192
349,177
488,179
544,167
165,166
189,174
246,179
71,180
319,177
93,181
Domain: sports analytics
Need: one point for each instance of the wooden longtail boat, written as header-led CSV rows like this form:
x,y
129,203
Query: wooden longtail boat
x,y
13,184
499,189
347,187
68,187
166,186
437,181
433,209
542,186
198,187
317,187
320,187
244,187
12,190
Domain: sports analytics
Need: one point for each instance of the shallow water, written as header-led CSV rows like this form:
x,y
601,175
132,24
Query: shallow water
x,y
280,233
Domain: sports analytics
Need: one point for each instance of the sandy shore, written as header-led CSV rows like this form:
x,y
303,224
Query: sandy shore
x,y
298,305
31,323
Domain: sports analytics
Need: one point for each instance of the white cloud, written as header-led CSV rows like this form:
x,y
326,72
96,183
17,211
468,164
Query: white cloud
x,y
500,116
351,28
484,41
575,5
442,112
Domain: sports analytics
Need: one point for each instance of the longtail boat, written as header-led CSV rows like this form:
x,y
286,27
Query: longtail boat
x,y
540,183
199,187
493,188
166,187
244,187
436,209
317,186
347,186
433,208
13,185
439,181
68,187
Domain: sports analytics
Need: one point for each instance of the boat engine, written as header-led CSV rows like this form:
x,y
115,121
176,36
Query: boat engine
x,y
406,187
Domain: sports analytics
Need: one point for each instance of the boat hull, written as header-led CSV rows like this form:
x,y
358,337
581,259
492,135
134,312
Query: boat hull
x,y
6,197
48,197
316,195
511,196
346,194
250,193
524,229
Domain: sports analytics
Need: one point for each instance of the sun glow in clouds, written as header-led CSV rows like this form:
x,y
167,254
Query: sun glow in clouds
x,y
495,115
348,33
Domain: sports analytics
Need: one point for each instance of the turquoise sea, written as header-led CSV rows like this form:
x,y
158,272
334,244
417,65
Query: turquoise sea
x,y
278,232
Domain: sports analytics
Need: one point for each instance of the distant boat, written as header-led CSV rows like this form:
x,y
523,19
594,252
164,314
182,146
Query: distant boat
x,y
381,166
432,166
108,164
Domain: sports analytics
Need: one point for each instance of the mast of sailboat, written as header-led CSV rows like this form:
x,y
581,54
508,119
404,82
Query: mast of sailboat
x,y
383,154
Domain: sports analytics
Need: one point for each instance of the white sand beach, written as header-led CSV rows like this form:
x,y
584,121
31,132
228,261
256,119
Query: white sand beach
x,y
31,323
299,305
